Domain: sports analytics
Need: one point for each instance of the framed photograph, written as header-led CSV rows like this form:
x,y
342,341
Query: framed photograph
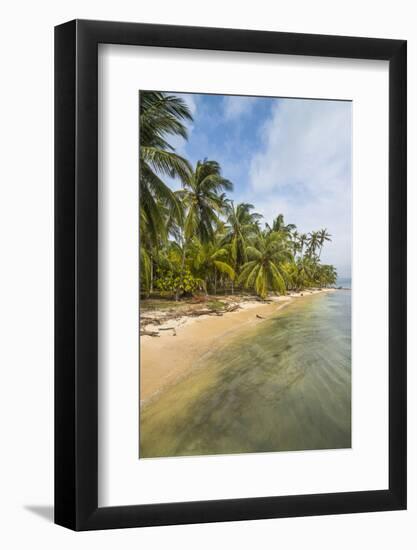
x,y
230,284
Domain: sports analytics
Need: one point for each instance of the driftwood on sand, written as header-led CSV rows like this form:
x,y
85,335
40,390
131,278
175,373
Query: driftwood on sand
x,y
173,315
149,333
218,312
149,320
199,312
174,332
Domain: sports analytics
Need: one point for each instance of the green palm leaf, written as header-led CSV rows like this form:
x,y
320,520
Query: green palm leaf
x,y
225,268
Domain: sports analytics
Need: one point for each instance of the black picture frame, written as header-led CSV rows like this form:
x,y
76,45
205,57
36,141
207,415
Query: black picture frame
x,y
76,272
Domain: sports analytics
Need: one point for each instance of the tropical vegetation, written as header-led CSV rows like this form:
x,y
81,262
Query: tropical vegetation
x,y
195,239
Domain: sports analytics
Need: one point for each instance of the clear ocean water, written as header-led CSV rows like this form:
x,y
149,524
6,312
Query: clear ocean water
x,y
283,385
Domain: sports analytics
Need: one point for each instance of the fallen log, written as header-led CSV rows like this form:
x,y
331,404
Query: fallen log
x,y
174,332
153,333
150,321
187,313
199,312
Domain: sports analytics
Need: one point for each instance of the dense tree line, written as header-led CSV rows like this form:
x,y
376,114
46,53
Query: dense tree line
x,y
196,239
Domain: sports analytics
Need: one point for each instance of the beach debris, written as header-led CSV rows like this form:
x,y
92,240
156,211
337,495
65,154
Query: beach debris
x,y
169,328
260,316
150,320
199,298
198,312
153,333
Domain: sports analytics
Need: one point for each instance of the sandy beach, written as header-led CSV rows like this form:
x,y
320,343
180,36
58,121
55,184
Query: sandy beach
x,y
183,340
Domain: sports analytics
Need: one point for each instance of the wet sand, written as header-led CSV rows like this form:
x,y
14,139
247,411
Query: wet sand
x,y
167,358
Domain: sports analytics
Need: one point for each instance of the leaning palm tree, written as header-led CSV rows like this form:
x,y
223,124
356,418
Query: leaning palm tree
x,y
264,271
161,116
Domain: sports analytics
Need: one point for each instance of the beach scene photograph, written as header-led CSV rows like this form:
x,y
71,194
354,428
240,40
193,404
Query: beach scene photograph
x,y
245,247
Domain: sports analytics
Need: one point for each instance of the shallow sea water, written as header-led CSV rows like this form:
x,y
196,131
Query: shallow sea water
x,y
282,385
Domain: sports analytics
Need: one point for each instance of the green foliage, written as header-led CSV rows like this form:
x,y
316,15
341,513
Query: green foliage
x,y
170,281
161,115
196,239
326,275
263,271
145,268
241,225
210,261
203,199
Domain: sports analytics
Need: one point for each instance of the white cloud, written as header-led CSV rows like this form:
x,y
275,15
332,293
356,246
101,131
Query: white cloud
x,y
304,171
236,106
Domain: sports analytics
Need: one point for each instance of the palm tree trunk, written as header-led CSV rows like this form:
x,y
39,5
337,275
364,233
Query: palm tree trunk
x,y
151,276
182,273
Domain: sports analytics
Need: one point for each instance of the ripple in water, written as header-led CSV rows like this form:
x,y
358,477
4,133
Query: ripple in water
x,y
284,385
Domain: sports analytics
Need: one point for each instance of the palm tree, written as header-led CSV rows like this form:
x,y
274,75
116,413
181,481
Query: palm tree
x,y
203,199
304,273
211,259
240,224
279,225
196,237
313,243
302,239
146,274
295,238
264,271
326,275
161,115
323,236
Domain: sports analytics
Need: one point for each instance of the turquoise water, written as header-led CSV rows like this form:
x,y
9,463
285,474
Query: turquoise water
x,y
283,385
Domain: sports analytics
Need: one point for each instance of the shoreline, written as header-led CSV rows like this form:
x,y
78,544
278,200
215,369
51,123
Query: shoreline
x,y
183,339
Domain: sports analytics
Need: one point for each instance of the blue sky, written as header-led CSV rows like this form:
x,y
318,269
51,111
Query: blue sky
x,y
290,156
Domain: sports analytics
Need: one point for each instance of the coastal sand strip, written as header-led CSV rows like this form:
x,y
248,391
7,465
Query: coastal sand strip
x,y
165,359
